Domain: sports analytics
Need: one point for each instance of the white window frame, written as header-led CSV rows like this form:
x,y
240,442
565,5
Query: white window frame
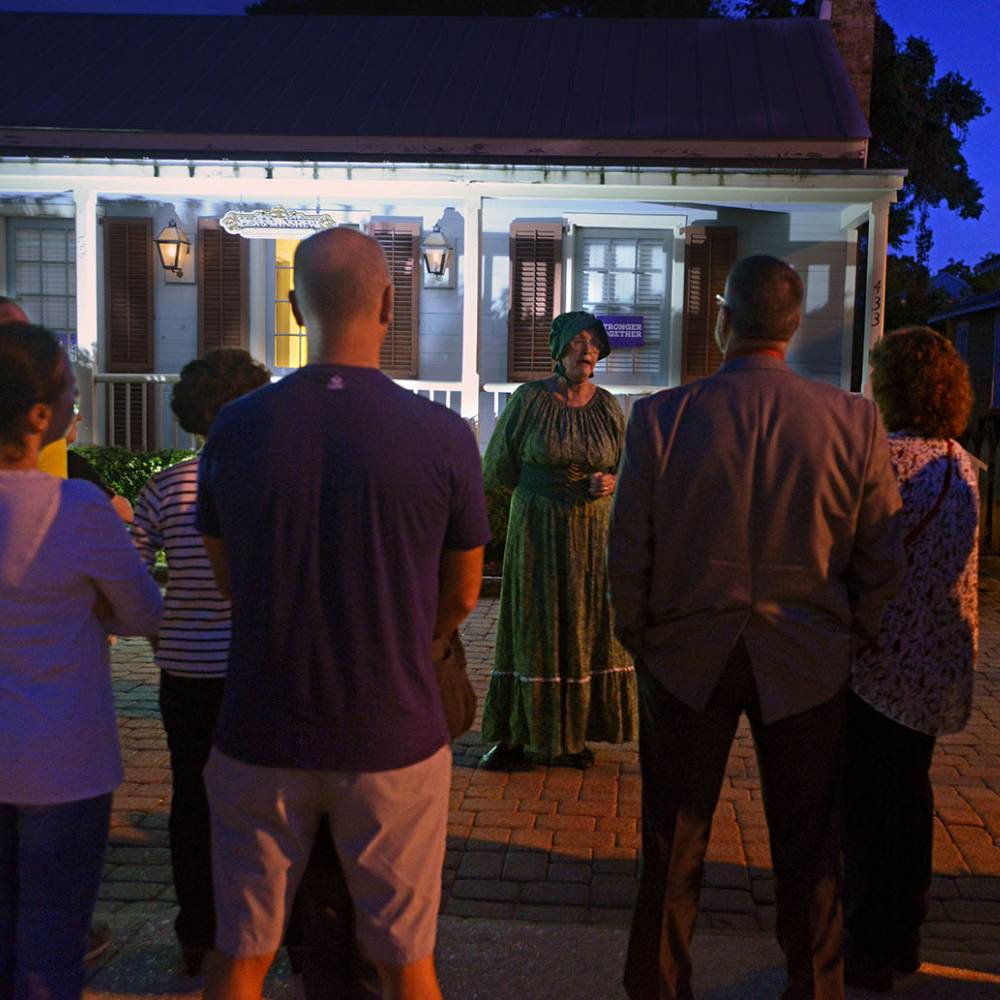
x,y
962,339
67,334
995,385
665,229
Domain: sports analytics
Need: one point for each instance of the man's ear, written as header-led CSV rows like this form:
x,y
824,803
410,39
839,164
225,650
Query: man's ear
x,y
296,312
385,308
723,327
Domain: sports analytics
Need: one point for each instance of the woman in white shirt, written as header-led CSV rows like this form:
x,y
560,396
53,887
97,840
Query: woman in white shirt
x,y
69,575
915,683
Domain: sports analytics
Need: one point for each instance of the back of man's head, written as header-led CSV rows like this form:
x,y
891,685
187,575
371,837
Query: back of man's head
x,y
764,299
11,312
341,278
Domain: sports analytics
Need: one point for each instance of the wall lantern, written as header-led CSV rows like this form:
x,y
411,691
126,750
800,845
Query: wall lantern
x,y
173,246
437,254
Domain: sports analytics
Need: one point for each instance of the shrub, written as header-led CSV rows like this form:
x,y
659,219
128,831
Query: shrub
x,y
126,471
498,511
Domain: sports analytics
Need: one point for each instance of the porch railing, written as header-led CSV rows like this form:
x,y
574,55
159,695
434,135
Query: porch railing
x,y
133,410
625,394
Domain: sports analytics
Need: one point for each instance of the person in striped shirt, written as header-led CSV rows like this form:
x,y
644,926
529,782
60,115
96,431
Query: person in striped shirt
x,y
193,643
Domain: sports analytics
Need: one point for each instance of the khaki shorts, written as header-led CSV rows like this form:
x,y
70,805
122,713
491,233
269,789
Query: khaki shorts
x,y
389,830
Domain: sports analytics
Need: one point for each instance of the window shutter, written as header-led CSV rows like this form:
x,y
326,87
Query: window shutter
x,y
401,243
128,304
709,253
222,288
535,297
128,311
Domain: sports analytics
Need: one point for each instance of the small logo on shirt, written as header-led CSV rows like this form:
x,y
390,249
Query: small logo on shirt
x,y
336,382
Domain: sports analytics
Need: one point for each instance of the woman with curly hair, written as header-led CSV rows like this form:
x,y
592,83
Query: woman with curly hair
x,y
193,643
915,682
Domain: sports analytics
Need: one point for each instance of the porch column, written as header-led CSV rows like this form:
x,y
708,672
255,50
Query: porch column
x,y
85,200
878,247
471,294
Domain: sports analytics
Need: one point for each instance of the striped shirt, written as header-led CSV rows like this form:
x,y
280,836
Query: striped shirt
x,y
195,629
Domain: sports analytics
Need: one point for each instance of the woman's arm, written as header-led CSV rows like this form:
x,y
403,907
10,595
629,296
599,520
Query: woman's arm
x,y
502,460
132,602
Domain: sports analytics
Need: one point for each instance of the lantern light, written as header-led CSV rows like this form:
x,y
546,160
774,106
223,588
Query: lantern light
x,y
436,252
172,244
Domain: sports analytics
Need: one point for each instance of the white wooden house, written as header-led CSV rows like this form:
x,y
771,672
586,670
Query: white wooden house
x,y
615,165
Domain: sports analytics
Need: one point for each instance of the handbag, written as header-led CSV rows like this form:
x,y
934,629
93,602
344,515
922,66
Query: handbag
x,y
457,696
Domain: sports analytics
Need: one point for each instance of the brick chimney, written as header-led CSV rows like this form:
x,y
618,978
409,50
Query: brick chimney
x,y
853,24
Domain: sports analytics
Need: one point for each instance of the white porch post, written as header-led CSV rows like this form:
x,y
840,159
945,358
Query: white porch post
x,y
878,247
85,200
471,295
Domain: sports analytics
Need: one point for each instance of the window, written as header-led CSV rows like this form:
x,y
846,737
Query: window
x,y
627,274
290,347
42,257
995,390
962,339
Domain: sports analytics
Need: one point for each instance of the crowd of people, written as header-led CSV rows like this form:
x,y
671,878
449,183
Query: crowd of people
x,y
753,542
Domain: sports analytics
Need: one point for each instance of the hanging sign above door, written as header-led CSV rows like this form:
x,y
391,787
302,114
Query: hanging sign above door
x,y
285,223
623,331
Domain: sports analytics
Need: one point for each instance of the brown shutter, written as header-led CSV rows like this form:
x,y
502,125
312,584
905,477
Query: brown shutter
x,y
222,288
401,243
535,297
709,253
128,302
128,311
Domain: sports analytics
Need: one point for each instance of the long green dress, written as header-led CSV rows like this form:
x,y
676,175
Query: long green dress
x,y
560,677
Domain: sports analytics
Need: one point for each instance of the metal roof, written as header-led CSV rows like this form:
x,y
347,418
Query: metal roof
x,y
562,80
978,303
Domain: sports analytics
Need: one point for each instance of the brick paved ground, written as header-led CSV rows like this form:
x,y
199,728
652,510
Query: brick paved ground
x,y
561,845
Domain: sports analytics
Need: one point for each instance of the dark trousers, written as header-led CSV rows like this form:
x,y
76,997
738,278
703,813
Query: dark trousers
x,y
320,936
50,869
189,707
888,835
683,757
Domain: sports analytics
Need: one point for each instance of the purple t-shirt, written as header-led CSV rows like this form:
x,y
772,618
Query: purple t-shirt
x,y
336,491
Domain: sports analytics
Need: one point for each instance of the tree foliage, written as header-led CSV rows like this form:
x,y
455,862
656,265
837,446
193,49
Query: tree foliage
x,y
920,121
982,277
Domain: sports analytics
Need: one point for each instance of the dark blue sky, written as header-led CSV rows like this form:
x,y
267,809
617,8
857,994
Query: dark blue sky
x,y
963,33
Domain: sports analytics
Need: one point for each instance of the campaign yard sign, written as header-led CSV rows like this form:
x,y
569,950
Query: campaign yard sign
x,y
623,331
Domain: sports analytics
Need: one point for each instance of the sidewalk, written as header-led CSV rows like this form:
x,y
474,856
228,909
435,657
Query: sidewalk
x,y
542,865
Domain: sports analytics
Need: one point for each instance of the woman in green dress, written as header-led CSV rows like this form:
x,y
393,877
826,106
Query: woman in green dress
x,y
560,677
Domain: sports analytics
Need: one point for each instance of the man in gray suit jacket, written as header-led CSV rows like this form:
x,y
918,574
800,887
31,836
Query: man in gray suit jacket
x,y
753,544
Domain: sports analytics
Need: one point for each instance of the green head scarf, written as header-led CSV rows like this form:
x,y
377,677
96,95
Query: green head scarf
x,y
566,326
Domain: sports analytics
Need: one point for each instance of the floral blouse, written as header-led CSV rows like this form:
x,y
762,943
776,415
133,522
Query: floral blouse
x,y
919,673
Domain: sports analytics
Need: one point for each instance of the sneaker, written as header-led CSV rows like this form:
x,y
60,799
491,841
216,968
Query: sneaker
x,y
99,940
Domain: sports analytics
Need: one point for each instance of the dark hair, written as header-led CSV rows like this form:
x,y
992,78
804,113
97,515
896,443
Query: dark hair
x,y
32,370
764,298
921,383
208,383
